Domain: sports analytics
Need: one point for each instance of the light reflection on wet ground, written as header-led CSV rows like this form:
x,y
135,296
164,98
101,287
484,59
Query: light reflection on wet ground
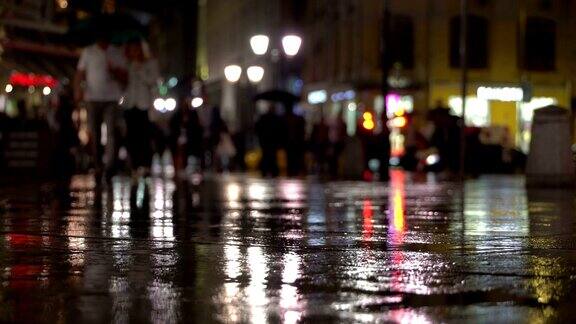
x,y
240,249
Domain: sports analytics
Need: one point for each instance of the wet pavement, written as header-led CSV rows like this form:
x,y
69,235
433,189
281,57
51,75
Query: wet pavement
x,y
240,249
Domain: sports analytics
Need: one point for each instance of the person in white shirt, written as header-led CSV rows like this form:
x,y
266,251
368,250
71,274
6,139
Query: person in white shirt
x,y
99,81
142,84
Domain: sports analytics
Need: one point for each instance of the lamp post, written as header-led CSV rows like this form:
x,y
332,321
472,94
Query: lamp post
x,y
233,73
291,45
255,73
260,46
232,99
463,84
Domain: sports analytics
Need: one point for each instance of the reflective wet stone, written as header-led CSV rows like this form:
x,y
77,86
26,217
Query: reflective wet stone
x,y
239,249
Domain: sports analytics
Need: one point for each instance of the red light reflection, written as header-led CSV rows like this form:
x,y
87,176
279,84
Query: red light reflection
x,y
367,223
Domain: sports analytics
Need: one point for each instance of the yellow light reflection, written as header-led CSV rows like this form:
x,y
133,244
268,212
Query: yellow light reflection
x,y
232,257
76,242
291,270
397,225
233,192
256,191
398,203
256,290
289,296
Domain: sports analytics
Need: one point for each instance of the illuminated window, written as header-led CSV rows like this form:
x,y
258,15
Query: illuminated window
x,y
527,108
477,110
397,105
526,115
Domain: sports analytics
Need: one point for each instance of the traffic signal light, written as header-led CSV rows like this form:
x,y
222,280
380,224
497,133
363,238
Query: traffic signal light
x,y
399,121
368,121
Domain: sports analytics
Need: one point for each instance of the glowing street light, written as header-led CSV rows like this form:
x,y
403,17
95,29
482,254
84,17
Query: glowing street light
x,y
233,73
46,91
159,104
259,44
255,73
291,44
170,104
197,102
9,88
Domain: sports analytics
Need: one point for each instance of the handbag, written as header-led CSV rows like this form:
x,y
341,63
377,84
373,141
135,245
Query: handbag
x,y
225,146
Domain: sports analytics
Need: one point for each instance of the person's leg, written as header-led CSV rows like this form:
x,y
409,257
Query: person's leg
x,y
95,117
292,161
146,132
140,139
274,163
111,113
265,162
131,136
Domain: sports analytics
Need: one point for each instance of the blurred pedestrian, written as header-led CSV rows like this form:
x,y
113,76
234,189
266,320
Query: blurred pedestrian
x,y
295,141
102,69
268,129
195,138
223,149
337,137
319,144
143,76
65,135
382,149
351,161
446,137
176,139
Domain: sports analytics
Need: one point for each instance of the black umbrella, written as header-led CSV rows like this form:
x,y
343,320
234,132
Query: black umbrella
x,y
118,28
276,95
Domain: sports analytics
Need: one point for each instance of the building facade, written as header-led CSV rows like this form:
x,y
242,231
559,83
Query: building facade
x,y
520,57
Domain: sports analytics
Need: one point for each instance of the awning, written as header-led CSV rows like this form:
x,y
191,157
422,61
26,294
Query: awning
x,y
28,57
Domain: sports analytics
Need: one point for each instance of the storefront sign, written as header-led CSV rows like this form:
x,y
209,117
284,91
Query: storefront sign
x,y
29,79
343,95
500,93
317,97
397,105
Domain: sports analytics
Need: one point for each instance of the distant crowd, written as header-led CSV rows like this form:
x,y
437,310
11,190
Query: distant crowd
x,y
118,86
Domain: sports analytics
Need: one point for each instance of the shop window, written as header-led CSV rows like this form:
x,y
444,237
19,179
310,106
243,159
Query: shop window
x,y
402,41
477,110
526,115
540,44
476,44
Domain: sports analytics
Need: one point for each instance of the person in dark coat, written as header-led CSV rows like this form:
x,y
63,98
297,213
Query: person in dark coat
x,y
268,130
446,138
382,149
195,137
66,137
295,141
319,144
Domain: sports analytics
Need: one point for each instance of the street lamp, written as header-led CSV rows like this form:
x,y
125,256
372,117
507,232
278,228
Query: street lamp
x,y
259,44
170,104
291,44
197,102
255,73
233,73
